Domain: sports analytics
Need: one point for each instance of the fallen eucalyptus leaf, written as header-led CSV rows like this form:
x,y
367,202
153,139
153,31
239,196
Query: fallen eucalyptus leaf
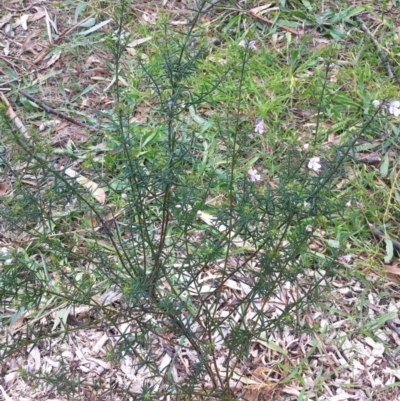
x,y
98,193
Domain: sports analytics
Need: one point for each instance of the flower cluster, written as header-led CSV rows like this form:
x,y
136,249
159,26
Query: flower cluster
x,y
259,127
253,175
394,107
314,164
250,45
4,252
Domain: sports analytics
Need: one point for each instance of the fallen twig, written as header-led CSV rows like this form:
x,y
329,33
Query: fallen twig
x,y
370,159
56,112
380,235
384,58
13,116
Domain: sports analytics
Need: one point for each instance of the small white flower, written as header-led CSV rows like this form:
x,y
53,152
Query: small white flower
x,y
348,204
4,251
259,127
376,103
306,146
394,108
253,175
124,196
8,262
28,367
314,164
251,45
306,204
309,228
346,258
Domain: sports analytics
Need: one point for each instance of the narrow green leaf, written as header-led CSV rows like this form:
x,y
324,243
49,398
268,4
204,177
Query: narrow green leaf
x,y
95,28
79,8
87,24
353,11
397,195
384,168
389,250
307,5
62,91
333,243
86,90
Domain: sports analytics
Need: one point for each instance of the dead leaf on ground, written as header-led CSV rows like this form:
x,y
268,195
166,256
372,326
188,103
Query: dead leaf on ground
x,y
23,20
98,193
28,43
393,272
4,187
138,42
6,18
53,59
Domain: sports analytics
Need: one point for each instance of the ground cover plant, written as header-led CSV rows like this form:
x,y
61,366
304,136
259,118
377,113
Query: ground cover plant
x,y
199,200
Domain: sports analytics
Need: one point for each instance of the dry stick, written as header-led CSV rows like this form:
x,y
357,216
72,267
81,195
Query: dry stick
x,y
370,159
13,116
380,235
389,69
56,112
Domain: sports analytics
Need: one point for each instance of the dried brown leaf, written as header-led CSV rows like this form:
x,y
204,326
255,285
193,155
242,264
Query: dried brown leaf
x,y
53,59
28,43
393,272
4,186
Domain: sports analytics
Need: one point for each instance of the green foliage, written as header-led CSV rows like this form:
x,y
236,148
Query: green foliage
x,y
159,254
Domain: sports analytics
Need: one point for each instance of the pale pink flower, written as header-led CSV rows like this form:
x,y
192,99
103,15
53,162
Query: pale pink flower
x,y
376,103
346,258
251,45
309,228
314,164
394,108
306,146
259,127
253,175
